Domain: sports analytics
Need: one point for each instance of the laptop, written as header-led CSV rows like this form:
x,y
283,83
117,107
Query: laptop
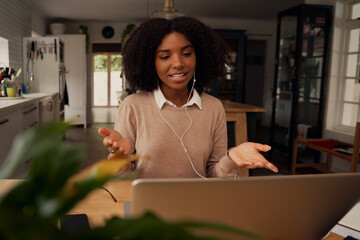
x,y
274,207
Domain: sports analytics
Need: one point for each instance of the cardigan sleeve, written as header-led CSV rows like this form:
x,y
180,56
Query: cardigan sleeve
x,y
125,123
219,164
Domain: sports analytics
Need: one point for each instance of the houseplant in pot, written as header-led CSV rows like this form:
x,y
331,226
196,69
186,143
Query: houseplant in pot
x,y
9,83
31,210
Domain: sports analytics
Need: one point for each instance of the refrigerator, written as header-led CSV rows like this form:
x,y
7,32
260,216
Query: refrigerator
x,y
43,66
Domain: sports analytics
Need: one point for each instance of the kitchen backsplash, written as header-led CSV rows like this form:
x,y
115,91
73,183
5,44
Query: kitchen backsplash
x,y
15,24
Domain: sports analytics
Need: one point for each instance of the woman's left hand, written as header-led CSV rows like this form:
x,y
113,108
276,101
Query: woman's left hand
x,y
247,155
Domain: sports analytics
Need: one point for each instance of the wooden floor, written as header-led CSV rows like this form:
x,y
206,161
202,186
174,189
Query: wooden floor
x,y
89,136
96,150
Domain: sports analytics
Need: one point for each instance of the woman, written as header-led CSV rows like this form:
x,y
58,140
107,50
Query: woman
x,y
180,129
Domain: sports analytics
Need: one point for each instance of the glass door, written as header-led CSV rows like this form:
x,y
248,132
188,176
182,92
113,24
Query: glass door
x,y
311,75
107,82
227,85
302,49
286,76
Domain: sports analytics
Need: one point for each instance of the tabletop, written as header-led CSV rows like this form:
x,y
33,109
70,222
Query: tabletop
x,y
99,205
231,106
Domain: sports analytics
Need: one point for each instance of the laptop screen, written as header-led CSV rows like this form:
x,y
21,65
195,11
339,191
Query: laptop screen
x,y
275,207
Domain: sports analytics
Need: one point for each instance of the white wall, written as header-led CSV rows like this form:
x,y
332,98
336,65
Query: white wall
x,y
38,22
95,29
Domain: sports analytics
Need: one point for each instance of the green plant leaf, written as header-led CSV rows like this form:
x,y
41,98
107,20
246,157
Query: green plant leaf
x,y
32,209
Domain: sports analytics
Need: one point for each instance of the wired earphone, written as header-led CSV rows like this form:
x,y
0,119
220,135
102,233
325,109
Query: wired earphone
x,y
182,136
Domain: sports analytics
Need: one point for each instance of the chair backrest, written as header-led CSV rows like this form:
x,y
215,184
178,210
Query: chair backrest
x,y
355,156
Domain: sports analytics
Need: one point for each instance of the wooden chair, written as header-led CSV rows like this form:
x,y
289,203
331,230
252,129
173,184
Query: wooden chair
x,y
327,146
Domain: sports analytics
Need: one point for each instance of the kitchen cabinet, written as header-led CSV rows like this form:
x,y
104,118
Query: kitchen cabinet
x,y
29,116
47,111
16,116
301,71
231,85
75,63
9,122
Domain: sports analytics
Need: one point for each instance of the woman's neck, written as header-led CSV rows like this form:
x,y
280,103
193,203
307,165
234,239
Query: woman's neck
x,y
177,97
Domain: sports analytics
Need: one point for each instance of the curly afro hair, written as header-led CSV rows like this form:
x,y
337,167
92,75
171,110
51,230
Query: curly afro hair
x,y
139,51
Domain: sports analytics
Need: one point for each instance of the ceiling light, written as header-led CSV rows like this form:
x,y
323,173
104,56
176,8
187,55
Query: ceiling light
x,y
168,12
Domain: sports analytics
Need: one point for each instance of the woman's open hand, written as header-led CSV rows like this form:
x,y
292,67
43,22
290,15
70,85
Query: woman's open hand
x,y
247,155
114,142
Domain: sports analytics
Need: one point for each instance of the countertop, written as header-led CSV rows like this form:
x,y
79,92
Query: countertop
x,y
7,103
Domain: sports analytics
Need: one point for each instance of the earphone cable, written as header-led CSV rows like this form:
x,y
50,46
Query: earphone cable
x,y
182,136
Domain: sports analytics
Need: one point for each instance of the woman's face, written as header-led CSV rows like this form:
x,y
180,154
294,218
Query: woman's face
x,y
175,62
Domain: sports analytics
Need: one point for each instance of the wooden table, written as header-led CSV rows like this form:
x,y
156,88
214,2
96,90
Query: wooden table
x,y
99,205
236,112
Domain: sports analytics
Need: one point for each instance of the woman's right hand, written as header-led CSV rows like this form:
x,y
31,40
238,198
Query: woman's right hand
x,y
114,142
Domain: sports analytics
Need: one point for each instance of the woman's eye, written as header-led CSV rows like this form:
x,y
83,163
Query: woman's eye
x,y
164,57
187,54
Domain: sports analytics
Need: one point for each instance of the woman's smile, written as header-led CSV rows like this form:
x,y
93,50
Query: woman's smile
x,y
179,77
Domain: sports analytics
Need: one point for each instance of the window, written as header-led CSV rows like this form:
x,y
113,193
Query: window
x,y
4,52
350,97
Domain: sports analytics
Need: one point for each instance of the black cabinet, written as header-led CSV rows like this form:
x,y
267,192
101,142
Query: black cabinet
x,y
231,85
301,72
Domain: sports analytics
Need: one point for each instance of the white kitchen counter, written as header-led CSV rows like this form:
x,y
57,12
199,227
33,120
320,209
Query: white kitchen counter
x,y
9,103
19,114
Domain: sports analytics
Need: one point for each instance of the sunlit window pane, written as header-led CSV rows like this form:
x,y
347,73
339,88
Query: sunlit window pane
x,y
355,11
4,52
350,113
351,65
354,40
100,80
349,105
115,79
352,91
100,88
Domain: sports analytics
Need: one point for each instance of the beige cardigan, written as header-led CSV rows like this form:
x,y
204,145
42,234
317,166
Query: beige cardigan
x,y
138,120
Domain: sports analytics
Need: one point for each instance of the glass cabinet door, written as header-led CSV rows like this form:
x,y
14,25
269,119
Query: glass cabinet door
x,y
232,84
227,84
285,79
303,37
310,76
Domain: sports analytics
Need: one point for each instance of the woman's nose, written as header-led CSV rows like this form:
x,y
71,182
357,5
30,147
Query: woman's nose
x,y
177,61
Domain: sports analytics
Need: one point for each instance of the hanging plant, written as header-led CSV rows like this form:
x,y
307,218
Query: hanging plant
x,y
126,32
84,30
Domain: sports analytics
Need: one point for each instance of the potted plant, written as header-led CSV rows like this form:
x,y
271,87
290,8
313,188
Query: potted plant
x,y
8,81
31,210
